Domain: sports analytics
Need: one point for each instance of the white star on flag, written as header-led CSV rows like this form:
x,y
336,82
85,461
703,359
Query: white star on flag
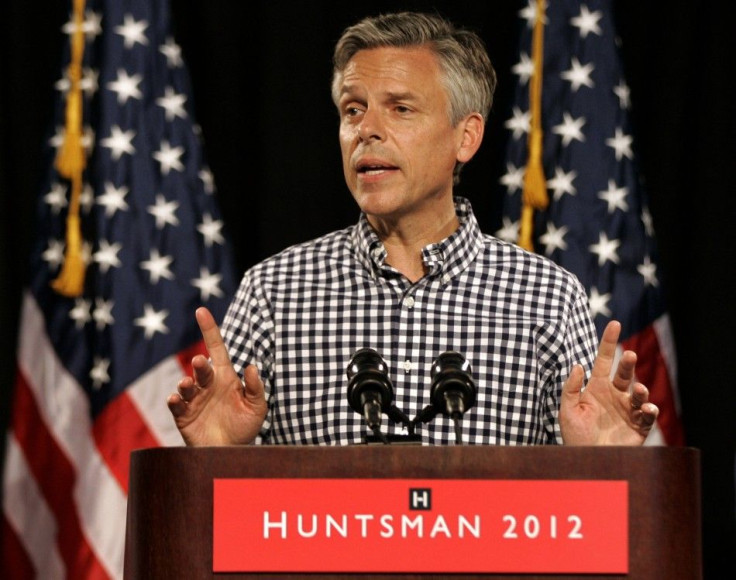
x,y
509,231
621,144
646,219
621,90
208,284
102,313
211,230
132,31
119,142
172,52
158,266
164,212
648,271
554,238
570,129
513,179
99,372
56,198
598,303
524,68
173,103
606,249
169,157
113,199
80,313
519,123
561,183
107,255
54,253
578,75
208,180
87,198
587,22
615,197
152,321
529,13
126,86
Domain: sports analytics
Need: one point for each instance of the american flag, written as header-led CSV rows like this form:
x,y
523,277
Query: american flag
x,y
597,223
94,370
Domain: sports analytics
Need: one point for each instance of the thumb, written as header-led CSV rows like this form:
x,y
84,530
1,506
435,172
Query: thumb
x,y
254,390
573,386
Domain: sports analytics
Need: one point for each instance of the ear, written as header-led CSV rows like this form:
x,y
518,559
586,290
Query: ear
x,y
471,135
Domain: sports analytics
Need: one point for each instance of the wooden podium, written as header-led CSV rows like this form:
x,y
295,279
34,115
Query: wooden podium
x,y
170,502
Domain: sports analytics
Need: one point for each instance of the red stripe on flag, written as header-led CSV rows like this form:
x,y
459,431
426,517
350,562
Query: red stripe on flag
x,y
55,476
118,431
185,356
14,558
651,369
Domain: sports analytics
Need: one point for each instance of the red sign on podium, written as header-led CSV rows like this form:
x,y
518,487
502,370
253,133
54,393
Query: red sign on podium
x,y
423,526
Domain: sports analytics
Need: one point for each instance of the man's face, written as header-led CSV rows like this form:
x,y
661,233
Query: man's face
x,y
398,146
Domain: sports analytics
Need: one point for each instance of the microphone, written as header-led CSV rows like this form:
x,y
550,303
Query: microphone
x,y
453,389
370,391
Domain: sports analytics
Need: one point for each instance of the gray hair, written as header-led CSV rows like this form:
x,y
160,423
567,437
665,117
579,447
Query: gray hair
x,y
468,75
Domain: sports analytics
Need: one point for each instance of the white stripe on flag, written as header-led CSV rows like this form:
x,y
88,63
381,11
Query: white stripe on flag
x,y
665,338
149,393
28,514
64,407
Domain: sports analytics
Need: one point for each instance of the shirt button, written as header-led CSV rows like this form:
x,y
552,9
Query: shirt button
x,y
376,253
407,366
446,279
409,302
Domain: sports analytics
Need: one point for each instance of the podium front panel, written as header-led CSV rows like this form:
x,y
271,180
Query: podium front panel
x,y
170,506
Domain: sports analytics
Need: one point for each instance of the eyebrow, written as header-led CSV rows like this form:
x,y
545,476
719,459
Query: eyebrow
x,y
390,96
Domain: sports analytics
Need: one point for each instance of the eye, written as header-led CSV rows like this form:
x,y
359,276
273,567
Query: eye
x,y
352,110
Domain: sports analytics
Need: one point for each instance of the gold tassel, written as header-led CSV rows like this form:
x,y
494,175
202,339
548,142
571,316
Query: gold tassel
x,y
70,163
534,195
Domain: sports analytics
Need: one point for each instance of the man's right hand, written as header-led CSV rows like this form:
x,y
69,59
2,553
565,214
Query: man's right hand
x,y
212,407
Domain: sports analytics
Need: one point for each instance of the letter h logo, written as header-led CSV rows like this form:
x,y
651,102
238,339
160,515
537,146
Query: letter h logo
x,y
420,498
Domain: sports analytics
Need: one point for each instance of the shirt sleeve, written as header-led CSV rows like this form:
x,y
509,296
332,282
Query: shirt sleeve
x,y
579,346
247,331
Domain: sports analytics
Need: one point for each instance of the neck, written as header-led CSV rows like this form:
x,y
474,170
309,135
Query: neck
x,y
404,239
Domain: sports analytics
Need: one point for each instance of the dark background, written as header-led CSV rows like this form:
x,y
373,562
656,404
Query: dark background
x,y
261,73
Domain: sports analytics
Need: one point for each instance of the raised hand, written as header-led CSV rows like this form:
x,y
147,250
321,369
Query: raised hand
x,y
213,406
608,411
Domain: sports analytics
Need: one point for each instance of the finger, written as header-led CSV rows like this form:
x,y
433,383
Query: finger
x,y
202,371
606,350
212,337
639,396
649,414
187,389
625,371
176,405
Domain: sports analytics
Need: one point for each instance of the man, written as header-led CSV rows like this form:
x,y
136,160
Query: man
x,y
414,278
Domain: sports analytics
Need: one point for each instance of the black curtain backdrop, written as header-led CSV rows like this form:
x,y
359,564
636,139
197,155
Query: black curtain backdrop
x,y
261,72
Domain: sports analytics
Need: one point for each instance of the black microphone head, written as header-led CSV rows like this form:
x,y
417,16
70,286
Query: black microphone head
x,y
368,378
451,374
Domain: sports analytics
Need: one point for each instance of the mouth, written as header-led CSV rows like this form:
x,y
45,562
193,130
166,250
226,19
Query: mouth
x,y
371,167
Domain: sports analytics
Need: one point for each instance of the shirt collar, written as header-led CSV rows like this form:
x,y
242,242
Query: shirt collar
x,y
447,258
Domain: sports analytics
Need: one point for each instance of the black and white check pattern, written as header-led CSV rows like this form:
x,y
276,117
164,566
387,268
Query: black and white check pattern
x,y
520,320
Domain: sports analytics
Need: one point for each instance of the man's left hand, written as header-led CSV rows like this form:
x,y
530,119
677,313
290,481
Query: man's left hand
x,y
607,411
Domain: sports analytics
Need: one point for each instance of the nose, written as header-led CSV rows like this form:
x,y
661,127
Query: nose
x,y
371,126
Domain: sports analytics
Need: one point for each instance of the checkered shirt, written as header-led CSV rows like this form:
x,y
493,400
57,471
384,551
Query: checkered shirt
x,y
520,320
